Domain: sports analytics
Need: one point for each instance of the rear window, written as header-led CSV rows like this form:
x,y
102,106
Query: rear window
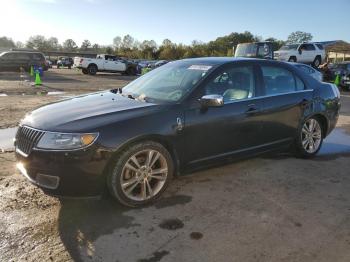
x,y
278,80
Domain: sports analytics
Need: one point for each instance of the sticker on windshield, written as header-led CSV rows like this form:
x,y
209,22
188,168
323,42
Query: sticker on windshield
x,y
200,67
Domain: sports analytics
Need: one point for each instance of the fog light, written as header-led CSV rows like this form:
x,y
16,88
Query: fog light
x,y
47,181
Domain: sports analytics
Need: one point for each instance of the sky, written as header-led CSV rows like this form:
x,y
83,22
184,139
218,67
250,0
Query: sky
x,y
181,21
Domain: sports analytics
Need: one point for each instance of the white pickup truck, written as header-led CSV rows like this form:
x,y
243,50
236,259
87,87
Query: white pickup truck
x,y
307,53
104,63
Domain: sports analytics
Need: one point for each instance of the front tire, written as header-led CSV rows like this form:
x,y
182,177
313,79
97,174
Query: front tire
x,y
316,63
140,174
92,69
292,59
309,138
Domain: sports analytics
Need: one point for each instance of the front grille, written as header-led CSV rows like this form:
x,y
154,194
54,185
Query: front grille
x,y
27,138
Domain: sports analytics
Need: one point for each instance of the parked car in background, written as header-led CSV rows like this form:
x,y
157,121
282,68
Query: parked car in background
x,y
181,116
255,50
65,62
48,62
14,60
343,70
307,53
309,70
105,63
160,63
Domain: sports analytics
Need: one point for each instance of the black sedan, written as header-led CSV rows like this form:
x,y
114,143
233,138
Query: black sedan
x,y
181,116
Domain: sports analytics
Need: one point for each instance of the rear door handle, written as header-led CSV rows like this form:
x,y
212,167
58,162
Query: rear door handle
x,y
252,109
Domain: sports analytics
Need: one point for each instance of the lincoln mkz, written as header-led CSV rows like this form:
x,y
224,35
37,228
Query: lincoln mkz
x,y
181,116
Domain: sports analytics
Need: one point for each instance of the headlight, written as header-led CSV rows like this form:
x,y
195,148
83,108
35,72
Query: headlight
x,y
62,141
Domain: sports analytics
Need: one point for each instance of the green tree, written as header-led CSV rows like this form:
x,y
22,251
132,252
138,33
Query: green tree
x,y
52,44
38,42
117,42
299,37
69,45
6,42
276,44
85,45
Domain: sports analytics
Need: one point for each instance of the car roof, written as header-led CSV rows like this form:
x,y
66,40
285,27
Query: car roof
x,y
21,52
217,60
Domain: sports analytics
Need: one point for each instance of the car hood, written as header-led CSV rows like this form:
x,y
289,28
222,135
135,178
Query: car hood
x,y
86,112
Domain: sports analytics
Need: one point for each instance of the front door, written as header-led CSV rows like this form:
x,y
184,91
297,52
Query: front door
x,y
234,127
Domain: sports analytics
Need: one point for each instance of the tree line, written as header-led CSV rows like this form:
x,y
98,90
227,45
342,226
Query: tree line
x,y
130,47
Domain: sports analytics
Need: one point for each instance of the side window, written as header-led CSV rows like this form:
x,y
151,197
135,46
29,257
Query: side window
x,y
299,84
278,80
37,57
21,56
233,84
320,46
8,56
310,47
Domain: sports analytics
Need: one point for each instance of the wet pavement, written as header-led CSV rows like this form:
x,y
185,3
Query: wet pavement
x,y
337,142
6,138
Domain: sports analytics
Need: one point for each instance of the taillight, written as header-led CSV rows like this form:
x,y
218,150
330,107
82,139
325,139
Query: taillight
x,y
81,61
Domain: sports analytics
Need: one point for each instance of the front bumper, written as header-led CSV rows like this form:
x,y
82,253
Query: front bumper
x,y
74,173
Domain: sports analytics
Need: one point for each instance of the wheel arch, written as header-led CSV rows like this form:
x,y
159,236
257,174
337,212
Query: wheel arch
x,y
323,121
154,138
92,64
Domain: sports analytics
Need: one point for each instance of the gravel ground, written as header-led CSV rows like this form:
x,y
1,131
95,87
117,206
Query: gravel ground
x,y
271,208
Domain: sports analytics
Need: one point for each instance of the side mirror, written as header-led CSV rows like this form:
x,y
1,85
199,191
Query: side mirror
x,y
300,51
211,101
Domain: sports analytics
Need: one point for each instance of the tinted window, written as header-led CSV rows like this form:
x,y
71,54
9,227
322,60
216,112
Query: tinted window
x,y
310,47
299,84
278,80
21,56
233,83
320,46
306,69
37,56
8,56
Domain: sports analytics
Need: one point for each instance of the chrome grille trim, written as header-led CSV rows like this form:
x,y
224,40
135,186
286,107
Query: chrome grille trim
x,y
26,139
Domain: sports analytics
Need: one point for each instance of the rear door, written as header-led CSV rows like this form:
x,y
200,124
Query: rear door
x,y
8,62
113,64
233,128
286,98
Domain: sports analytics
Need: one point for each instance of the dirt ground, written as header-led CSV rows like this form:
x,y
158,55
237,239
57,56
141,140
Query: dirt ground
x,y
270,208
22,96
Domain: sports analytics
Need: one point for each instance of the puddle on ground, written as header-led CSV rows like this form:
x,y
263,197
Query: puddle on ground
x,y
6,138
55,93
338,142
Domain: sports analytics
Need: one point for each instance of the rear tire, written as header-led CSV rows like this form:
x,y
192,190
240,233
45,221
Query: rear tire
x,y
92,69
131,71
140,174
309,138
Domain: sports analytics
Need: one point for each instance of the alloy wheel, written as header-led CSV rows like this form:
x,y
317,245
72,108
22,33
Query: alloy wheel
x,y
311,136
144,175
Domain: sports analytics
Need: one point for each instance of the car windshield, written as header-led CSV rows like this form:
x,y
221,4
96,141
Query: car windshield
x,y
246,50
168,83
289,47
